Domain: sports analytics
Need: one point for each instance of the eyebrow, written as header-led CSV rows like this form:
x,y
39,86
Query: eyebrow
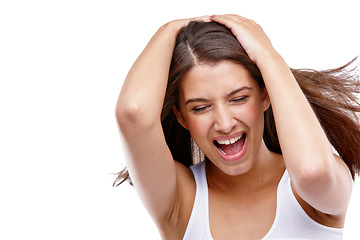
x,y
191,100
239,90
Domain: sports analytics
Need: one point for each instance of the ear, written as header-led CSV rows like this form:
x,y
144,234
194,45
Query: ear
x,y
265,99
180,118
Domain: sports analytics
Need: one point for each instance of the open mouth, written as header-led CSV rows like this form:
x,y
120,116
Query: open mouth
x,y
231,146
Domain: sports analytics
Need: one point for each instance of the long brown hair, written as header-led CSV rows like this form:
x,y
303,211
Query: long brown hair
x,y
331,93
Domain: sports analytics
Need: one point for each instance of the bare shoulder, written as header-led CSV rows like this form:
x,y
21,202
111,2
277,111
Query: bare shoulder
x,y
186,198
184,175
175,226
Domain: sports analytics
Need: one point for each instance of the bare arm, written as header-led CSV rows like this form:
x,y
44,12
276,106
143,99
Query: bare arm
x,y
319,177
138,111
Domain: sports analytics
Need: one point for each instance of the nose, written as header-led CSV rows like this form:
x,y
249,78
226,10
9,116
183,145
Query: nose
x,y
224,120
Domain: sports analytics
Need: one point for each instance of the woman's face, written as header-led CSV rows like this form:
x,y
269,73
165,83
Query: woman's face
x,y
222,106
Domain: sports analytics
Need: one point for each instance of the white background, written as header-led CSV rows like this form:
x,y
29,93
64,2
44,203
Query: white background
x,y
62,64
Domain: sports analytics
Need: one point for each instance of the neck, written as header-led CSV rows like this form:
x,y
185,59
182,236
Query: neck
x,y
267,168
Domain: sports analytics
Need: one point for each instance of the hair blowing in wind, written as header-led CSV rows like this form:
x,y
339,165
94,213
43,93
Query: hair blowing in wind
x,y
333,95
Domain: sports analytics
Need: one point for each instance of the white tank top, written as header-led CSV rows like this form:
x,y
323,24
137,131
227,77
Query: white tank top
x,y
291,221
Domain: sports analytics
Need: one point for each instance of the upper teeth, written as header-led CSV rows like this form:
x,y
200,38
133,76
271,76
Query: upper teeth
x,y
229,141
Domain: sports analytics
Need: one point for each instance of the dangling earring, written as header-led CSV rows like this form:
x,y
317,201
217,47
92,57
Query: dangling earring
x,y
197,154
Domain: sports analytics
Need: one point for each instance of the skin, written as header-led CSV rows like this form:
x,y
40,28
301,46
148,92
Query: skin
x,y
219,112
222,115
317,176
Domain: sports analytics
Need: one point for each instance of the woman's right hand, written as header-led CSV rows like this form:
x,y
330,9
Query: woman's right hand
x,y
179,23
146,81
138,112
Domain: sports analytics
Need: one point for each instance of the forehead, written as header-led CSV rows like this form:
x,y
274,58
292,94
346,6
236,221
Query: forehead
x,y
222,77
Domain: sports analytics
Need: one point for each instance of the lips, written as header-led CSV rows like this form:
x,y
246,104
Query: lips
x,y
231,147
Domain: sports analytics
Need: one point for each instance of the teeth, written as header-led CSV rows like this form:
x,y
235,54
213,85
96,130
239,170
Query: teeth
x,y
228,142
222,151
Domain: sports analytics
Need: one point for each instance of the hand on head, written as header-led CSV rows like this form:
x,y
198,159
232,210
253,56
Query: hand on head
x,y
250,35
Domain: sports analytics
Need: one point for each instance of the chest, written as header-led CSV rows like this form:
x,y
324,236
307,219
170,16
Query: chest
x,y
246,216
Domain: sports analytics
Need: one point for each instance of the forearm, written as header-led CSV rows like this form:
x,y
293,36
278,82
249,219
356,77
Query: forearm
x,y
316,174
138,113
143,90
303,142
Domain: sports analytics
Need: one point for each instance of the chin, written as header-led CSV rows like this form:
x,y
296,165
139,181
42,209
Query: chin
x,y
237,169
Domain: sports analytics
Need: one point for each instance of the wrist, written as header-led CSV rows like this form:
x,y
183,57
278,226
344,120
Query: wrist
x,y
164,37
268,57
271,62
172,28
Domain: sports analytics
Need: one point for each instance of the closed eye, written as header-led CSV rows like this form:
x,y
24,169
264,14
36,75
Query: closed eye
x,y
200,109
240,99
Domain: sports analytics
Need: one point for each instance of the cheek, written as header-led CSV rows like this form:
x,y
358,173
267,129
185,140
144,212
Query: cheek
x,y
198,127
253,115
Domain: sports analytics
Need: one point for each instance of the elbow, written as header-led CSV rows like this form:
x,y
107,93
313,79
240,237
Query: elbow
x,y
326,188
132,114
311,176
316,176
127,112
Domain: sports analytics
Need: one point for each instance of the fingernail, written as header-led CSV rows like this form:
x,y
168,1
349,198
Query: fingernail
x,y
212,16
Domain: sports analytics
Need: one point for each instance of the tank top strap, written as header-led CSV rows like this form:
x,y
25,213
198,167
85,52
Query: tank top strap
x,y
198,226
292,222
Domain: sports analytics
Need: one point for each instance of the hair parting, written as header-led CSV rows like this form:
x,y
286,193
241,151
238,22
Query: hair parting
x,y
333,95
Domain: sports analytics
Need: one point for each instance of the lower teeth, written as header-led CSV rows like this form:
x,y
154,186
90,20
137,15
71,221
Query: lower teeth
x,y
222,151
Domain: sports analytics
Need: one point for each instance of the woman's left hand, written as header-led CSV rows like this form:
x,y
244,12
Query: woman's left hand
x,y
317,176
250,35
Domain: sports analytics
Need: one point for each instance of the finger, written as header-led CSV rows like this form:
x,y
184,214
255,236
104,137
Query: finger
x,y
205,18
183,22
233,22
231,19
227,17
225,20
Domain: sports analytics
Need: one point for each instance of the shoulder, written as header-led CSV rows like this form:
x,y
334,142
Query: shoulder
x,y
179,218
185,180
187,190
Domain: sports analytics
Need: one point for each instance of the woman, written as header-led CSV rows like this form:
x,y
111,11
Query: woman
x,y
262,135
